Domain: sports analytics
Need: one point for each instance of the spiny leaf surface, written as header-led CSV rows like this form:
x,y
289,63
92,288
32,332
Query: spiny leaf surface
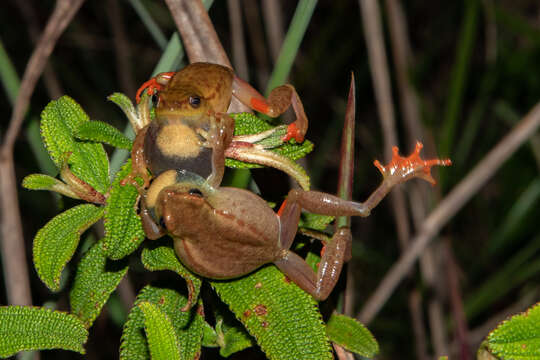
x,y
517,338
46,182
123,228
282,318
162,340
188,325
164,258
88,161
98,131
56,242
232,337
93,284
39,182
32,328
352,335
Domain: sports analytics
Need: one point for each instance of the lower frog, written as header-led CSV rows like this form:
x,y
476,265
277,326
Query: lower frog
x,y
224,233
192,130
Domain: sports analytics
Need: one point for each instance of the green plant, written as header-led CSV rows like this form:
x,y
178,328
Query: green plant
x,y
166,322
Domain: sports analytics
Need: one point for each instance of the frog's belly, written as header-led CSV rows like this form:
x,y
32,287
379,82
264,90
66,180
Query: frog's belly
x,y
226,260
176,147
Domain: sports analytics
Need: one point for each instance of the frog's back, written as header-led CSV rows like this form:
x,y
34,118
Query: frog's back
x,y
217,242
212,81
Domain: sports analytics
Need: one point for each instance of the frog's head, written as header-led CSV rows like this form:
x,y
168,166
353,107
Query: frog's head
x,y
185,101
174,194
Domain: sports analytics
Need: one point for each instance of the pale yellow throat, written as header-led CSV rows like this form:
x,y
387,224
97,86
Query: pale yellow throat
x,y
179,140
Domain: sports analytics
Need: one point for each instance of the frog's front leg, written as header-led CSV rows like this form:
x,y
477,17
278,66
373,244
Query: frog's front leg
x,y
139,165
154,84
278,101
219,138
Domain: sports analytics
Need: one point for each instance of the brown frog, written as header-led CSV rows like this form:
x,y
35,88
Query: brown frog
x,y
223,233
192,131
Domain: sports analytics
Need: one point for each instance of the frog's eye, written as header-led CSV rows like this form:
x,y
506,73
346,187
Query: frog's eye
x,y
155,99
162,222
195,192
194,101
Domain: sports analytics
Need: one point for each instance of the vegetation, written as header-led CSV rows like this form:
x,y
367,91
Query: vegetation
x,y
462,75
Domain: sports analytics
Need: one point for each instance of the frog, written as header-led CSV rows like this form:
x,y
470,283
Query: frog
x,y
225,233
192,130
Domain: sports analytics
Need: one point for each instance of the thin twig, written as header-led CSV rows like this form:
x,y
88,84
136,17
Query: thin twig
x,y
448,207
52,85
385,105
381,83
379,68
237,39
418,194
13,251
121,48
345,184
415,307
274,26
456,302
257,41
198,34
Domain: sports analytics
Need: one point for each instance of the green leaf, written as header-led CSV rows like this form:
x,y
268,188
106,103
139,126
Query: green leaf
x,y
99,131
56,242
123,228
93,284
210,337
32,328
352,335
46,182
164,258
282,318
517,338
59,121
188,325
162,340
315,221
232,339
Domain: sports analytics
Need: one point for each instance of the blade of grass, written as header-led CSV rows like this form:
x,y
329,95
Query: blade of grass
x,y
522,207
459,76
502,281
150,24
289,49
8,75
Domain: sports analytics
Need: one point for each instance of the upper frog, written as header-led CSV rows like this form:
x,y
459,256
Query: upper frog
x,y
192,130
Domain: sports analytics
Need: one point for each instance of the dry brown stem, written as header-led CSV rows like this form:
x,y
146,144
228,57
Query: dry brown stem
x,y
448,207
13,249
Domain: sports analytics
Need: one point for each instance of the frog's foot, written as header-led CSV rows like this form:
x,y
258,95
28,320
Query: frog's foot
x,y
401,169
154,84
131,179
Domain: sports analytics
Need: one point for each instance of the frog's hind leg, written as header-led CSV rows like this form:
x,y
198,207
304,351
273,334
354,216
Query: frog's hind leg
x,y
319,285
278,101
220,137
